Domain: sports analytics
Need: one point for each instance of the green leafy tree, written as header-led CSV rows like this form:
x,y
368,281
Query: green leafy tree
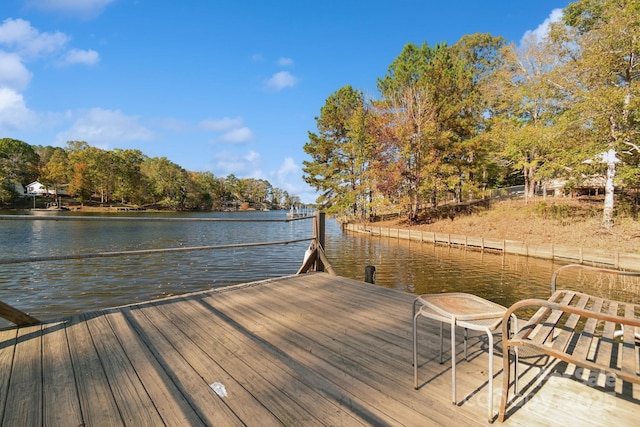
x,y
81,184
601,41
130,184
338,152
527,106
210,191
82,179
104,165
98,171
480,164
231,186
55,171
277,197
168,182
18,164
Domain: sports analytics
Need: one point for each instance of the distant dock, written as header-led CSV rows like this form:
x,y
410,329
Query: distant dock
x,y
299,213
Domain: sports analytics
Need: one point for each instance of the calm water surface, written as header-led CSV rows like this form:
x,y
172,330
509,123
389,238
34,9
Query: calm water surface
x,y
53,288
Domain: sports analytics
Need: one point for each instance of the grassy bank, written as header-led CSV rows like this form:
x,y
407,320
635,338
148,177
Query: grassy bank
x,y
558,221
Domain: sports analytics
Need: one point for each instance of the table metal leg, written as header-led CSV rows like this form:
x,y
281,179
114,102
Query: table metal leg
x,y
415,349
466,333
490,400
453,360
441,341
413,316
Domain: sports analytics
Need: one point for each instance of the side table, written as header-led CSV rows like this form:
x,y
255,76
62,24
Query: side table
x,y
467,311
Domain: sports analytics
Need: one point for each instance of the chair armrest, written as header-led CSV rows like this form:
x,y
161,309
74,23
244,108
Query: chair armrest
x,y
566,308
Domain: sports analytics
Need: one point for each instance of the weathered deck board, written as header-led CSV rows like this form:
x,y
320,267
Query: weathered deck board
x,y
172,405
96,400
26,380
7,346
305,350
61,406
193,387
252,363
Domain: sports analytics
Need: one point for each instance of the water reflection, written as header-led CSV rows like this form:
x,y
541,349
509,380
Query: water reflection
x,y
426,268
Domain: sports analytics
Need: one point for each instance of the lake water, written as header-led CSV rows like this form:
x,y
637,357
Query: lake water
x,y
48,289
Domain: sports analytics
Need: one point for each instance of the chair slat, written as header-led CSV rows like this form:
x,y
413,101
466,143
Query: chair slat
x,y
547,327
586,336
568,330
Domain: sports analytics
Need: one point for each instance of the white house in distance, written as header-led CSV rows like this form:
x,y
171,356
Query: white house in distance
x,y
38,189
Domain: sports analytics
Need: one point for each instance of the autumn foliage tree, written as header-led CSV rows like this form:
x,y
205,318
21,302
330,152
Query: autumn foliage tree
x,y
452,120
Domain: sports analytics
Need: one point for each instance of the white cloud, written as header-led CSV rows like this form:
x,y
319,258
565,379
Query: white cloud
x,y
237,136
14,114
78,56
281,80
287,177
19,44
287,169
232,129
19,36
220,125
542,31
241,165
13,73
106,128
84,9
285,62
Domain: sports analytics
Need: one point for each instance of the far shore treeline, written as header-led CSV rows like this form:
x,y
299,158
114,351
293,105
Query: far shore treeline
x,y
128,177
560,108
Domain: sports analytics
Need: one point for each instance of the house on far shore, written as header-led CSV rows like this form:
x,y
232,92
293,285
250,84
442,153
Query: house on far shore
x,y
38,189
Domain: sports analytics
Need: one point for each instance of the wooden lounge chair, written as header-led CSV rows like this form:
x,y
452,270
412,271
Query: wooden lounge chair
x,y
594,333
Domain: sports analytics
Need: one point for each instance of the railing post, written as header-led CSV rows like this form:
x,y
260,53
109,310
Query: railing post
x,y
318,235
370,274
16,316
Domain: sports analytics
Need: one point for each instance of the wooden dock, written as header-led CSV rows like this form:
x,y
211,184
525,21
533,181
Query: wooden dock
x,y
311,349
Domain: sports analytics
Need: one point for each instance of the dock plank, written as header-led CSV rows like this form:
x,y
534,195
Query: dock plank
x,y
132,400
7,346
209,407
61,406
96,399
206,363
312,365
333,356
270,375
172,406
24,396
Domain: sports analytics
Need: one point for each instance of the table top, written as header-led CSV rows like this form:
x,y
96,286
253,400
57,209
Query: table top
x,y
462,306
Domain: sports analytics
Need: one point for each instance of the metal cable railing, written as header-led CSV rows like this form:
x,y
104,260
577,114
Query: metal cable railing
x,y
142,252
143,219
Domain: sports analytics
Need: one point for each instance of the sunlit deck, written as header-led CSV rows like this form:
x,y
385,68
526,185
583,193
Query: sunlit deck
x,y
305,350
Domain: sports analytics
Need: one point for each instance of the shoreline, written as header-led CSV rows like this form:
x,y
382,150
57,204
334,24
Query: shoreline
x,y
579,255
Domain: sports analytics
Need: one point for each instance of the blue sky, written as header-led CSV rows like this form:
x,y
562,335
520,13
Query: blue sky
x,y
230,87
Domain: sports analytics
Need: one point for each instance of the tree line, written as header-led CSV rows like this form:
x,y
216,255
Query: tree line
x,y
126,176
451,121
